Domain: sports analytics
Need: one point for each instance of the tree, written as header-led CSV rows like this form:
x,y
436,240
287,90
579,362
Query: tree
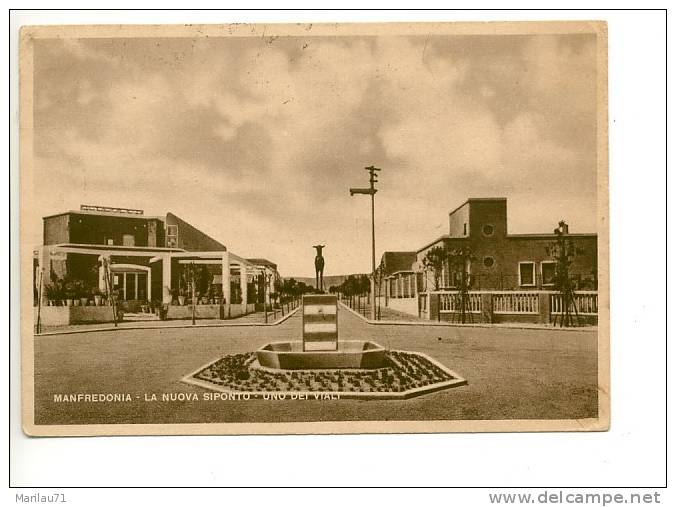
x,y
291,287
204,281
279,292
364,284
434,262
303,288
563,251
379,276
460,261
110,290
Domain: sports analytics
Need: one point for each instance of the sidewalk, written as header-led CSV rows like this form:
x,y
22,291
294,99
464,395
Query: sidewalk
x,y
394,317
386,314
251,319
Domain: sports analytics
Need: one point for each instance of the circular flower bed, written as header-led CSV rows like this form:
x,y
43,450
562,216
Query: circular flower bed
x,y
404,371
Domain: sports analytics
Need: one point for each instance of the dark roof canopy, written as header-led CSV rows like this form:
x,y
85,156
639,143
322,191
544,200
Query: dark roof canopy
x,y
397,261
263,262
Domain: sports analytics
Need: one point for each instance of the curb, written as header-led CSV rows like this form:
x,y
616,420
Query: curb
x,y
456,381
588,329
177,326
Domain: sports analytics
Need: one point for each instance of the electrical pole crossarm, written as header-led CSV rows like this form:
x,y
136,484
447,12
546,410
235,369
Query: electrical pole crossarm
x,y
367,191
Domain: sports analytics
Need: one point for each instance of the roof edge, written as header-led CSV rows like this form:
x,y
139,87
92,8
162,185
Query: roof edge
x,y
478,199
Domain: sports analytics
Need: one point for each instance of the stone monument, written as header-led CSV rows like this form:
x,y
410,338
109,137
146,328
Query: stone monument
x,y
320,347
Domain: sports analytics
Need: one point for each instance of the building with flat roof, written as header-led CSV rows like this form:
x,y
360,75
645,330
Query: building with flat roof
x,y
504,261
398,279
501,261
147,257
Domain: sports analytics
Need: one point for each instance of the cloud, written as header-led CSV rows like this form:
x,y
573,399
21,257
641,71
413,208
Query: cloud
x,y
257,141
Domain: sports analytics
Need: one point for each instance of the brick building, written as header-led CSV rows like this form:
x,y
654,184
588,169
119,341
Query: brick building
x,y
504,261
501,261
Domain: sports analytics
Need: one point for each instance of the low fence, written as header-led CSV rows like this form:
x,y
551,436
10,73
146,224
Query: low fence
x,y
585,302
453,303
519,302
506,306
361,303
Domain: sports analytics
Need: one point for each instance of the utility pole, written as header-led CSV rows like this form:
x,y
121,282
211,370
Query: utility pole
x,y
372,192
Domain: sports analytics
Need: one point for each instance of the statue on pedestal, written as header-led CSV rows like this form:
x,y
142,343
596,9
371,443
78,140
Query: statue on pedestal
x,y
319,268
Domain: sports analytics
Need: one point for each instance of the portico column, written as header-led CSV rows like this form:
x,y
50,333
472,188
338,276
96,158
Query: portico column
x,y
225,276
267,280
166,280
102,276
44,268
243,284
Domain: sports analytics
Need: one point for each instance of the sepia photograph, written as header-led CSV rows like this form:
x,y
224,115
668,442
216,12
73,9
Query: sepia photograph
x,y
314,228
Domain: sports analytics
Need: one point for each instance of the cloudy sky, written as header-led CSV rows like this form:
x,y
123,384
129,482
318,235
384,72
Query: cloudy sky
x,y
257,140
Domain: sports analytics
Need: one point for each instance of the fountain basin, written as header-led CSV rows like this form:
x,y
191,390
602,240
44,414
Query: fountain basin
x,y
350,354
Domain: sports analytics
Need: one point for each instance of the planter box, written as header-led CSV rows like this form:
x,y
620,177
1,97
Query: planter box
x,y
201,312
350,354
209,311
237,310
66,315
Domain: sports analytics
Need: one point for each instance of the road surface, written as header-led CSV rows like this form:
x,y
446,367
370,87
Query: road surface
x,y
511,373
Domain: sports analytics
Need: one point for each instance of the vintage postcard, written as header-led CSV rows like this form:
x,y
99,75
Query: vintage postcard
x,y
332,228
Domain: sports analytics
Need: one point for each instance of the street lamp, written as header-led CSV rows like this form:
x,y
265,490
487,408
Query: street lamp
x,y
372,192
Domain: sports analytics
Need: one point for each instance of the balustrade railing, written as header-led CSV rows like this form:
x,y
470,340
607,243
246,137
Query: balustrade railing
x,y
510,302
516,302
586,303
452,302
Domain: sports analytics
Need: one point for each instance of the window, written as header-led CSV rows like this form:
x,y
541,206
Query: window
x,y
109,241
488,230
131,285
172,236
128,240
489,262
445,275
548,272
527,273
464,229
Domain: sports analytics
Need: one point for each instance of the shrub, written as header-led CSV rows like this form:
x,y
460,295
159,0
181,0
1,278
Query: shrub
x,y
54,291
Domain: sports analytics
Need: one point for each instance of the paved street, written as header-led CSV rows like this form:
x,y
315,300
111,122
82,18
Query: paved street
x,y
512,373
